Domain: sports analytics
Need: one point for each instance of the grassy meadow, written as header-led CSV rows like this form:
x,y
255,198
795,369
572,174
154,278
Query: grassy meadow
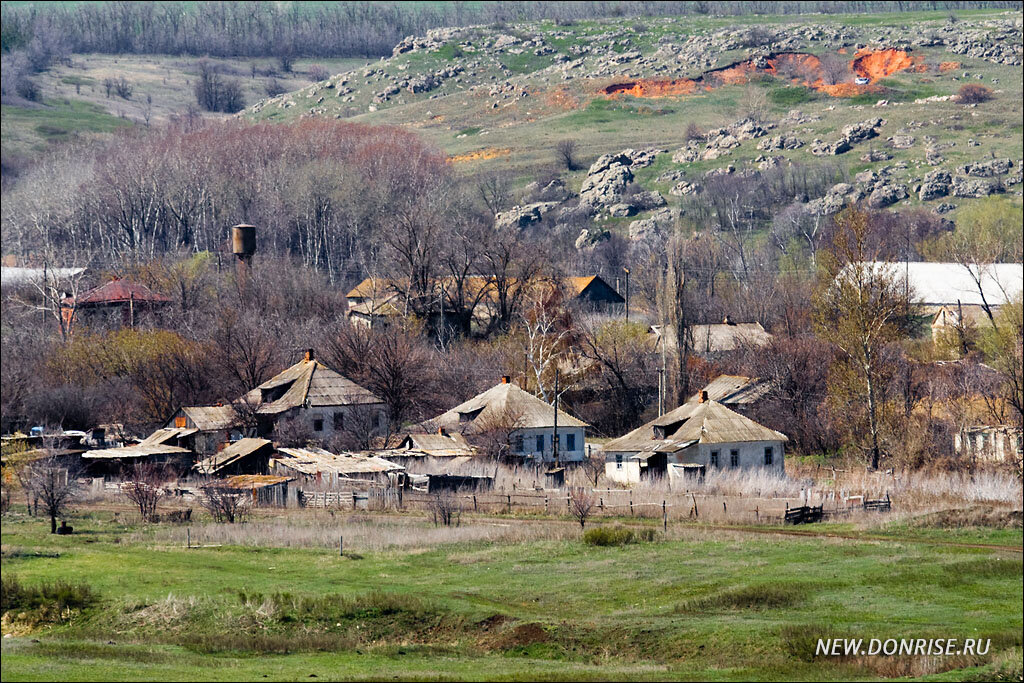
x,y
526,599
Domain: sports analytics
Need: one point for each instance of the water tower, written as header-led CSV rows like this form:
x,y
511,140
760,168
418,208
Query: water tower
x,y
243,246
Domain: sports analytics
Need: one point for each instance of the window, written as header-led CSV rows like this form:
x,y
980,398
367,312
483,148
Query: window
x,y
180,422
768,455
318,424
517,443
570,442
540,443
714,458
339,421
734,458
618,462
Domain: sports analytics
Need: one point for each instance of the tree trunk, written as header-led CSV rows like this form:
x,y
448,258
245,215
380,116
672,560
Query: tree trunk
x,y
872,421
53,524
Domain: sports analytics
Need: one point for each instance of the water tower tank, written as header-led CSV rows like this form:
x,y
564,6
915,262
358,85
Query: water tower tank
x,y
243,240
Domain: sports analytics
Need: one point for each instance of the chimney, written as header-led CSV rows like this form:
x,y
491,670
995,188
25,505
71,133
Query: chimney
x,y
728,320
441,431
505,379
309,355
703,396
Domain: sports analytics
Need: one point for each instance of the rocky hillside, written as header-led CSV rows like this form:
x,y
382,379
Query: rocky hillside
x,y
669,107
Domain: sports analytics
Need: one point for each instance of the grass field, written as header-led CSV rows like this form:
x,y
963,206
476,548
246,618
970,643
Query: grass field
x,y
697,603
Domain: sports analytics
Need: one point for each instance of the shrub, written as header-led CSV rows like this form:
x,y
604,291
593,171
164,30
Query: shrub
x,y
45,601
972,93
615,536
758,596
318,72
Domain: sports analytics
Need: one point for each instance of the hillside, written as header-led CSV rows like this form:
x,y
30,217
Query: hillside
x,y
869,101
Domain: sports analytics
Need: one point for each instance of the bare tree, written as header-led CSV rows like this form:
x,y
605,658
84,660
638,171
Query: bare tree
x,y
52,485
144,487
593,467
445,509
834,69
567,153
581,504
223,503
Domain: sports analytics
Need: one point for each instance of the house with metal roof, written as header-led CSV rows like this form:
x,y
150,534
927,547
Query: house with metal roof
x,y
171,447
125,299
245,456
697,436
321,467
529,422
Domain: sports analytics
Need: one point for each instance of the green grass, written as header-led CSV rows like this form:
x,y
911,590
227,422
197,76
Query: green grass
x,y
58,119
707,605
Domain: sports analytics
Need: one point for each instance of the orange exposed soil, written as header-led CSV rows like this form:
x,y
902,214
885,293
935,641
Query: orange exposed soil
x,y
480,155
651,88
798,67
949,66
876,64
561,98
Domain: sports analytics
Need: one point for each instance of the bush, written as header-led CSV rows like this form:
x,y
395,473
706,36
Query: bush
x,y
972,93
44,601
615,536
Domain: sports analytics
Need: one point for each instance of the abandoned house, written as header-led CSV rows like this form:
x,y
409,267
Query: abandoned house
x,y
699,435
528,422
265,490
990,444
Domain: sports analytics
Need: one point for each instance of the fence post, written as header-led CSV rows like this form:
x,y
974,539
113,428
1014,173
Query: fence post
x,y
510,503
568,503
696,512
757,514
353,500
631,502
474,503
545,505
724,509
341,546
600,503
188,534
664,515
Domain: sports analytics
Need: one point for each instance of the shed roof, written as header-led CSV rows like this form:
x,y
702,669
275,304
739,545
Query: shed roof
x,y
231,454
693,422
309,382
246,482
504,403
437,445
313,460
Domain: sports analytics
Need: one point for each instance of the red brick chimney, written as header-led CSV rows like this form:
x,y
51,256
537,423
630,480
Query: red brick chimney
x,y
703,396
309,355
505,379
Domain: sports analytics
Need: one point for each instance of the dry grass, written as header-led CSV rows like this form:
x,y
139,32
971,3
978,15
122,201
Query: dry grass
x,y
362,533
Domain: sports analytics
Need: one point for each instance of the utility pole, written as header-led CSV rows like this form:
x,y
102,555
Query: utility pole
x,y
554,435
627,293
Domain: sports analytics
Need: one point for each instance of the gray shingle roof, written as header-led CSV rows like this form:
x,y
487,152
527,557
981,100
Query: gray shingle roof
x,y
504,403
693,422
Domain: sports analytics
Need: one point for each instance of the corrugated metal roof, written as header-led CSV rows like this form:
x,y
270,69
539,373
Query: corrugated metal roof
x,y
230,455
504,405
935,284
717,337
312,461
437,445
120,291
169,433
693,422
313,381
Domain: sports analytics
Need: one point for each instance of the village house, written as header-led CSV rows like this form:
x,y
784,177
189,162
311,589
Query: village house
x,y
528,421
710,339
215,426
245,456
325,400
319,467
377,299
697,436
122,301
736,392
174,448
954,294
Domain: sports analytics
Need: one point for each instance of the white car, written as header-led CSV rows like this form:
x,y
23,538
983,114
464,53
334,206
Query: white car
x,y
860,80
